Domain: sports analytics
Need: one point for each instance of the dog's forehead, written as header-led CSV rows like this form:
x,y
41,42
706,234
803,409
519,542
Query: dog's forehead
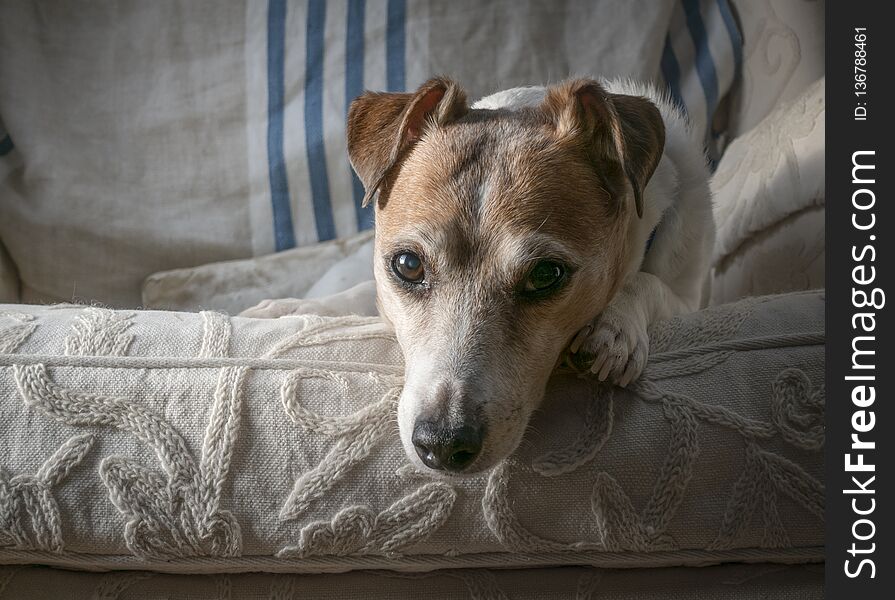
x,y
490,180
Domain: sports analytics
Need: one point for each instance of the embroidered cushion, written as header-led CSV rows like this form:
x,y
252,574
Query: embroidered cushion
x,y
783,55
205,443
769,202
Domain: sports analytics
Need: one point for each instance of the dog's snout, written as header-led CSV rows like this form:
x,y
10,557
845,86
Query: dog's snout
x,y
446,448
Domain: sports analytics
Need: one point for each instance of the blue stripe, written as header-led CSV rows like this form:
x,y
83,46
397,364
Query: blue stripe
x,y
395,76
650,239
284,236
6,146
705,66
354,87
323,214
671,72
736,38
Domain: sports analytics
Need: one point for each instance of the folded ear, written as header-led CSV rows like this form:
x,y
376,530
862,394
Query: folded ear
x,y
626,134
382,127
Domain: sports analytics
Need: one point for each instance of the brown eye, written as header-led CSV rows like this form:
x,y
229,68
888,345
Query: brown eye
x,y
408,267
544,276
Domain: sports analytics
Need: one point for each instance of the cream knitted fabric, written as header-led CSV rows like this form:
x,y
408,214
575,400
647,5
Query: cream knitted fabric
x,y
204,443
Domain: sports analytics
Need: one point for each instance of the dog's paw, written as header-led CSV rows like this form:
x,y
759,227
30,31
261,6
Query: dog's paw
x,y
614,347
272,309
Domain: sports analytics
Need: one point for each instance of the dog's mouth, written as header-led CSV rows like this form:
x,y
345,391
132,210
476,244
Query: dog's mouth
x,y
471,468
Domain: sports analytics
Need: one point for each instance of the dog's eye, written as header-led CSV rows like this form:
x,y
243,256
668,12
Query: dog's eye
x,y
408,267
545,275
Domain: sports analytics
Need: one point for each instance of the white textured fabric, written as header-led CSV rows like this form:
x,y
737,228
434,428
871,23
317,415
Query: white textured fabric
x,y
204,443
727,582
769,203
783,55
233,286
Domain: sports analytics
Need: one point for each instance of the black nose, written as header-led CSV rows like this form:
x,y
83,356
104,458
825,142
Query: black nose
x,y
446,448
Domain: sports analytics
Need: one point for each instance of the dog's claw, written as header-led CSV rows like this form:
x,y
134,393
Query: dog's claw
x,y
580,338
620,344
628,375
604,371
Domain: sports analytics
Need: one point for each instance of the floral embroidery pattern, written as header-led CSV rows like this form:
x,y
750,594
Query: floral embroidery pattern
x,y
100,332
32,496
175,514
12,336
798,411
356,530
357,434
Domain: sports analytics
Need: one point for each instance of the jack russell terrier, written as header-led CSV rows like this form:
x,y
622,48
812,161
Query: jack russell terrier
x,y
539,226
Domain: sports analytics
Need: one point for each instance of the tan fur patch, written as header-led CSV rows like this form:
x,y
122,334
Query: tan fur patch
x,y
382,128
625,133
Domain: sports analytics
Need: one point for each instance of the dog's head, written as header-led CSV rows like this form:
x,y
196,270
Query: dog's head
x,y
499,235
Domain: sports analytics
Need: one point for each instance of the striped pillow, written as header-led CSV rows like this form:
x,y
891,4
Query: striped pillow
x,y
348,46
701,61
356,45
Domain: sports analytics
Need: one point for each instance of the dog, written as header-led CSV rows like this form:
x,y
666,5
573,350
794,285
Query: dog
x,y
541,225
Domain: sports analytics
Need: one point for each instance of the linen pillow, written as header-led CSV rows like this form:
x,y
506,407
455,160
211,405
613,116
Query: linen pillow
x,y
233,286
200,443
769,203
782,56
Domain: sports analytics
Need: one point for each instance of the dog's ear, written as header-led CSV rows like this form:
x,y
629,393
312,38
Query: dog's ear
x,y
625,133
382,127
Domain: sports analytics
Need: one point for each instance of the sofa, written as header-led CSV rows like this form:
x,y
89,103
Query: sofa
x,y
165,166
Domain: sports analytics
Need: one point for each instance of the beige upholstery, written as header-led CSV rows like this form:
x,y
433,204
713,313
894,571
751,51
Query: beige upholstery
x,y
769,203
129,439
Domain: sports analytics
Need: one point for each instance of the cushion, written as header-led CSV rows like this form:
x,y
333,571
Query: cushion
x,y
235,285
701,62
185,443
760,581
769,202
783,55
